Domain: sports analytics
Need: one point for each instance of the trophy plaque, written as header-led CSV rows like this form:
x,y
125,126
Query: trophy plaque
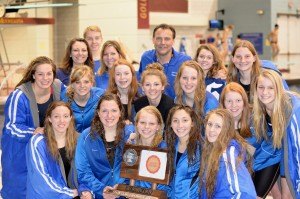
x,y
146,164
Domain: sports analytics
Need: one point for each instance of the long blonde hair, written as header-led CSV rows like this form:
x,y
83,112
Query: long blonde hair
x,y
212,152
200,92
281,111
71,134
158,136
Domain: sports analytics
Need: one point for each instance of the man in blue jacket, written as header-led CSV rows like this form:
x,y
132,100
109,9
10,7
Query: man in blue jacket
x,y
164,53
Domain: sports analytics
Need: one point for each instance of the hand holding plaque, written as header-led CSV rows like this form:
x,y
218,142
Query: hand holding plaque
x,y
146,164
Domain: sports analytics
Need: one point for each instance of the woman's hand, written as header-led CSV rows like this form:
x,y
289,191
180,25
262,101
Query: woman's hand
x,y
108,192
86,195
39,130
75,193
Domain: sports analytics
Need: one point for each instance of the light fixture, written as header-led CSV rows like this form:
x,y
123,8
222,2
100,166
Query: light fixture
x,y
260,12
40,6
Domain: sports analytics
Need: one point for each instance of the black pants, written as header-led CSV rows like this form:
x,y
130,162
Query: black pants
x,y
265,179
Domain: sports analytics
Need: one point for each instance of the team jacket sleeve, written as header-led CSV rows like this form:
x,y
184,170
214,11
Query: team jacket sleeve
x,y
17,117
237,176
294,149
85,174
40,179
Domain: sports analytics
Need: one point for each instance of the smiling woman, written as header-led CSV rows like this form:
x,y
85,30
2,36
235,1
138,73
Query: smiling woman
x,y
25,111
77,53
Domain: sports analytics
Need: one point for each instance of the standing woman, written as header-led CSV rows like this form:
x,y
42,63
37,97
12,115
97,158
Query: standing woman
x,y
110,54
25,111
154,81
276,119
82,96
223,172
50,157
190,89
77,53
99,150
183,130
123,82
215,73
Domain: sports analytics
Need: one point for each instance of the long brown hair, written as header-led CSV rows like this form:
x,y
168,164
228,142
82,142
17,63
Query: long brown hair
x,y
245,117
233,72
200,92
153,111
194,140
212,152
31,68
71,134
113,88
218,64
77,74
97,126
117,46
67,63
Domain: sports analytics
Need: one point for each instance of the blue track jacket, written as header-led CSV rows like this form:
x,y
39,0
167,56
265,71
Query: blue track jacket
x,y
233,180
170,68
84,115
21,119
46,176
94,170
291,145
184,173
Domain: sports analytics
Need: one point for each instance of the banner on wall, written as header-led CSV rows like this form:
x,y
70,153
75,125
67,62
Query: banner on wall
x,y
180,6
143,14
256,39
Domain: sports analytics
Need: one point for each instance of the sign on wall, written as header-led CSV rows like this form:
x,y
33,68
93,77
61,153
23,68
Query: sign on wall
x,y
256,39
143,14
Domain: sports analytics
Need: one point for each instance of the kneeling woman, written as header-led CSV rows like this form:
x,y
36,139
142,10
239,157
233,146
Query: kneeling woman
x,y
183,138
50,157
223,172
99,151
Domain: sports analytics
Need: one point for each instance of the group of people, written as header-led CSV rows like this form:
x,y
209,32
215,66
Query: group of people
x,y
230,132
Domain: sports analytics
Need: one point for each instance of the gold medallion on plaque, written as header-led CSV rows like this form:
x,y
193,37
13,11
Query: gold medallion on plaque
x,y
153,164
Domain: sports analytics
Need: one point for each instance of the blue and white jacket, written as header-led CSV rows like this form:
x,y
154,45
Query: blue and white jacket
x,y
46,176
21,119
215,86
233,180
93,167
84,115
185,181
291,145
170,69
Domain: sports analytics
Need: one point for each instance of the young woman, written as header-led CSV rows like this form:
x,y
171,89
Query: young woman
x,y
235,100
223,172
149,129
276,120
154,81
183,130
77,53
190,89
123,82
245,66
93,35
99,150
111,53
215,73
25,111
82,97
50,157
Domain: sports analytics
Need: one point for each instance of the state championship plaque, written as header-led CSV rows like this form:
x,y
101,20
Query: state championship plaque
x,y
146,164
